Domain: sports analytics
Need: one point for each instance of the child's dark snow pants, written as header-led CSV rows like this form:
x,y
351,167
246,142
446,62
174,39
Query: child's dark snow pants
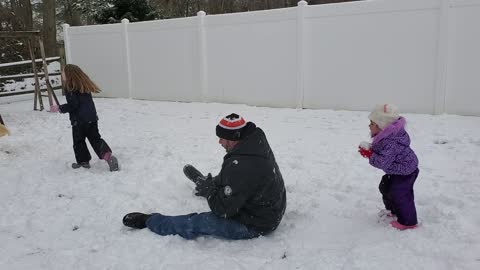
x,y
397,193
80,132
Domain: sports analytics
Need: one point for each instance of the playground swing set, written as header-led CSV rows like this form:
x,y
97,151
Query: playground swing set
x,y
31,37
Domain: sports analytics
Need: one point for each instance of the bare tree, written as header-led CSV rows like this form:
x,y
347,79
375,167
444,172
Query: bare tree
x,y
184,8
49,28
22,10
27,14
71,13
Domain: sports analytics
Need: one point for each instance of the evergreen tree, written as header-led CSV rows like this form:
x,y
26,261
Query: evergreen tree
x,y
133,10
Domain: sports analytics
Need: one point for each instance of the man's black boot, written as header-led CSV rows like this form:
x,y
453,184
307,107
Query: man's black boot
x,y
136,220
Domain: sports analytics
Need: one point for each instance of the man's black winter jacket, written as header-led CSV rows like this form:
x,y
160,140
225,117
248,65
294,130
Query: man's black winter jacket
x,y
250,188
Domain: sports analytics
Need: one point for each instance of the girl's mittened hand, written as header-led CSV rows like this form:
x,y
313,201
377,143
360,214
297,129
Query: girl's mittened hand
x,y
54,108
366,153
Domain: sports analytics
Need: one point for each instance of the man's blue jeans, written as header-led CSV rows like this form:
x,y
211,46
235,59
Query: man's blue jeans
x,y
193,225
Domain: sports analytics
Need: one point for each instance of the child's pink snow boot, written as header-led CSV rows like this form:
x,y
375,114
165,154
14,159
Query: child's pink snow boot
x,y
402,227
111,160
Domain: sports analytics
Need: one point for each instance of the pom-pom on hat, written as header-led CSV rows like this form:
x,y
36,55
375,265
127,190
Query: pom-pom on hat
x,y
231,127
383,115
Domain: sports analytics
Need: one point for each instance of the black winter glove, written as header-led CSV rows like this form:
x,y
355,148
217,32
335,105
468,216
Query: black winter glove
x,y
205,187
193,174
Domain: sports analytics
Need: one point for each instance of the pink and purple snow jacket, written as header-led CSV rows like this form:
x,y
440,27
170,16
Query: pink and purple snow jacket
x,y
391,150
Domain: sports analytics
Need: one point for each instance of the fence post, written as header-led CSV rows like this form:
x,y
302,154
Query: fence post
x,y
301,5
125,23
202,56
442,58
66,41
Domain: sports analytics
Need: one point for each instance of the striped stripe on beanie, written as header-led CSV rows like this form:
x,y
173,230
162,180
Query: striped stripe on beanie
x,y
231,127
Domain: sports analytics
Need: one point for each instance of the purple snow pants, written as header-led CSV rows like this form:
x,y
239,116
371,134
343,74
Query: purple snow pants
x,y
397,195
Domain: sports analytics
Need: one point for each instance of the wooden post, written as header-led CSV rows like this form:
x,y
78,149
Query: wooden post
x,y
38,94
45,71
63,62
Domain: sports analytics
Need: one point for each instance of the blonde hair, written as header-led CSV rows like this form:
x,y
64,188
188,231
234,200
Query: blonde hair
x,y
77,80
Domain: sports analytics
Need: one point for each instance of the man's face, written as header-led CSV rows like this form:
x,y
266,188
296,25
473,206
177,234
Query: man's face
x,y
227,144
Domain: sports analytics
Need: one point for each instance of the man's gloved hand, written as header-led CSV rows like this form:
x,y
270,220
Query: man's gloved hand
x,y
205,187
193,174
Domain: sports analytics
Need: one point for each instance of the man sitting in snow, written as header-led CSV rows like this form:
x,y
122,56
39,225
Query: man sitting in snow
x,y
247,198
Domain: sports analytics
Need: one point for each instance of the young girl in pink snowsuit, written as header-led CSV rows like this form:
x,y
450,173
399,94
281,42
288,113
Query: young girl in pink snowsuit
x,y
390,151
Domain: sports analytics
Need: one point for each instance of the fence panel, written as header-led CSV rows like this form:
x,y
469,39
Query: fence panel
x,y
369,52
164,60
252,58
463,81
99,51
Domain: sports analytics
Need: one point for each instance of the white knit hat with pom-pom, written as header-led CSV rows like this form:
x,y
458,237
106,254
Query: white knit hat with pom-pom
x,y
383,115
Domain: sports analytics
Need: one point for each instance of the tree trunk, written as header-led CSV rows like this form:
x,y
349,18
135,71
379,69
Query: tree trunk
x,y
277,3
49,28
88,11
27,15
22,10
72,15
213,6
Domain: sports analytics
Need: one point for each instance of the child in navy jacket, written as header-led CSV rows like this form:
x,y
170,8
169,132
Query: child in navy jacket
x,y
83,117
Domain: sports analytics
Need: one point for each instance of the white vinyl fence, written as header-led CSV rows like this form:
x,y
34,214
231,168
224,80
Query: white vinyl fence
x,y
421,55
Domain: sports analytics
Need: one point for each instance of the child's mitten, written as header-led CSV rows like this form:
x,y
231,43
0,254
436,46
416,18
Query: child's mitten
x,y
54,108
364,149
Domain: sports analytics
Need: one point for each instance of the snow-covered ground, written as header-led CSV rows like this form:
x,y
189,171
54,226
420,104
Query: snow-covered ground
x,y
54,217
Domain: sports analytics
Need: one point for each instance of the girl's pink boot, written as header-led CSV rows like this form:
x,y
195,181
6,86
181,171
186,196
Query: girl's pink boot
x,y
401,227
